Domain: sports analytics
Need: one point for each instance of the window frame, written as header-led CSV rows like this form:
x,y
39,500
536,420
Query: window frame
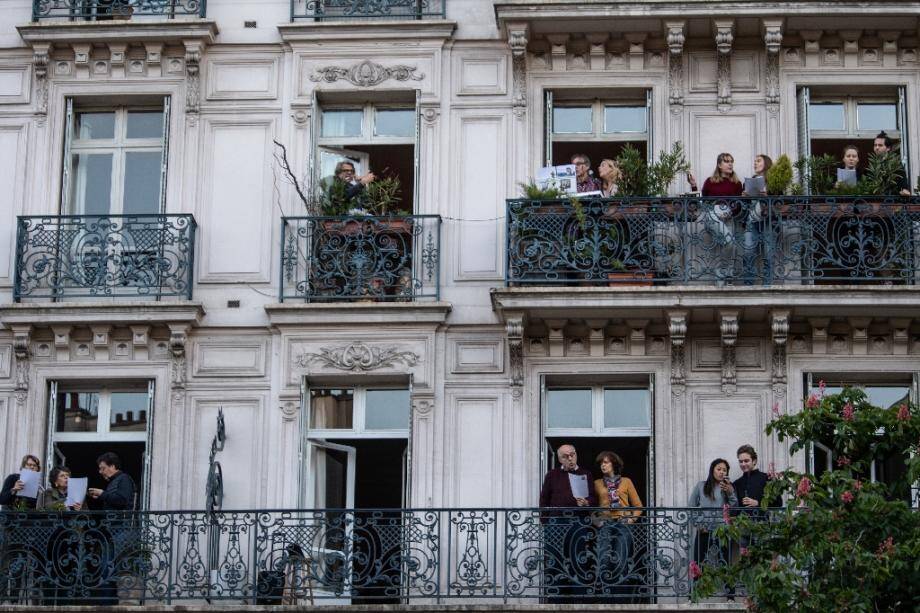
x,y
598,427
598,108
359,429
118,146
850,117
368,125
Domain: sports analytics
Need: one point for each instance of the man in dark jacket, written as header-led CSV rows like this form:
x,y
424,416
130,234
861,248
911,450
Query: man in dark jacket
x,y
119,493
117,496
566,534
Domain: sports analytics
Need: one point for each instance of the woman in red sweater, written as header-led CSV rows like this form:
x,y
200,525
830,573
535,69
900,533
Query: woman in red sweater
x,y
723,182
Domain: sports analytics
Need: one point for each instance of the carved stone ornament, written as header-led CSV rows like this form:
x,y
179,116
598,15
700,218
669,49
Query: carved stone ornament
x,y
514,327
677,329
358,357
779,324
773,41
177,340
422,406
289,410
725,36
517,40
41,53
366,74
21,340
676,36
728,327
193,80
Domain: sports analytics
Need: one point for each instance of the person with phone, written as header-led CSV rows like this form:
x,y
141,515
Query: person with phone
x,y
710,496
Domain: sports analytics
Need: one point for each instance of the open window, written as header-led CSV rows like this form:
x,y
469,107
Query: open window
x,y
831,118
378,135
598,123
87,420
883,390
601,414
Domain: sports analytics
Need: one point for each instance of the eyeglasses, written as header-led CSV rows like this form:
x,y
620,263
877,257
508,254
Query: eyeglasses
x,y
566,456
347,170
581,163
32,465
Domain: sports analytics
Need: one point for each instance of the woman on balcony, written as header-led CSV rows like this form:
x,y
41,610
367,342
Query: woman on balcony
x,y
754,228
617,565
12,485
711,497
717,231
55,497
609,173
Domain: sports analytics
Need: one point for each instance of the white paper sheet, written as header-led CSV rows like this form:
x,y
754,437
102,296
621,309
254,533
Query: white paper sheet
x,y
558,177
754,186
76,490
31,480
579,485
846,176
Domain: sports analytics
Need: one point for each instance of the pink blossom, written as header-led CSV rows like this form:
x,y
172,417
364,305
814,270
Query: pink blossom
x,y
857,485
821,387
848,412
886,546
804,487
725,515
843,461
812,402
776,412
695,571
903,413
846,497
743,551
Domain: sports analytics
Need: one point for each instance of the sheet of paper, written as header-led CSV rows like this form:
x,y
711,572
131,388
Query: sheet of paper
x,y
76,490
559,177
579,485
754,186
847,176
31,479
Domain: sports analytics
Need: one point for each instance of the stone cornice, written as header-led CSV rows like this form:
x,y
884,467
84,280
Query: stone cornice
x,y
98,312
830,300
359,313
128,31
311,32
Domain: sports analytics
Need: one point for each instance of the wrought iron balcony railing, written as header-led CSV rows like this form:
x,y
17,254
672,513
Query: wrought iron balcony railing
x,y
69,256
360,258
337,10
294,556
692,240
99,10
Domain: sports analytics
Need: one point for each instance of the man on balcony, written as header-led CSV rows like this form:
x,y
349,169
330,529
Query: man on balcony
x,y
583,179
882,145
566,533
354,185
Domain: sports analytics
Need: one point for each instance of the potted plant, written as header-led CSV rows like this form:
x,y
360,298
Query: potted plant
x,y
642,178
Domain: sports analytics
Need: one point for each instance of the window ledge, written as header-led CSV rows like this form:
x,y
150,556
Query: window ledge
x,y
410,29
165,31
326,314
101,312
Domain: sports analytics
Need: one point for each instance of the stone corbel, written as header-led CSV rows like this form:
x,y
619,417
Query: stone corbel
x,y
725,37
596,339
193,50
677,330
859,327
517,40
779,328
178,336
889,40
81,58
558,50
636,42
22,339
41,53
422,406
637,335
514,328
819,334
812,44
62,341
773,42
728,328
900,335
290,407
597,49
850,40
676,34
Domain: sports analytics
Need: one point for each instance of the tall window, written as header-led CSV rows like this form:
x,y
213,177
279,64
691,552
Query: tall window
x,y
376,137
599,127
89,420
115,159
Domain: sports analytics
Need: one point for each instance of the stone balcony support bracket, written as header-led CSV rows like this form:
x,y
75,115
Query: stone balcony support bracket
x,y
676,35
728,329
773,42
724,37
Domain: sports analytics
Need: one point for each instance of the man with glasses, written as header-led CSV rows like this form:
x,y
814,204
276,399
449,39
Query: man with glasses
x,y
566,533
583,179
354,185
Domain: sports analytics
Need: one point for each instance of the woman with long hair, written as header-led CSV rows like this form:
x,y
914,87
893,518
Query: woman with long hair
x,y
617,567
609,173
711,496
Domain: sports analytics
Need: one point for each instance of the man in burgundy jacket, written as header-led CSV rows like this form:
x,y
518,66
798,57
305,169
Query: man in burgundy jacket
x,y
566,533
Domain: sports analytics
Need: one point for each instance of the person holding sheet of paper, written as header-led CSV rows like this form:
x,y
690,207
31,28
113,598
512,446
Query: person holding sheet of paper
x,y
55,497
14,494
849,173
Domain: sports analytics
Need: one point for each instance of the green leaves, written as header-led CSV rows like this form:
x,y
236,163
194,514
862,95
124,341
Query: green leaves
x,y
641,178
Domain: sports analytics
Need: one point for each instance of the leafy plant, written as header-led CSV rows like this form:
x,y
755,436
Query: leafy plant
x,y
382,196
532,191
779,176
842,543
817,174
641,178
884,174
333,198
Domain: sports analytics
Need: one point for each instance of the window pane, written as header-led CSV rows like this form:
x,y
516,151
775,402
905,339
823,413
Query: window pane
x,y
129,412
77,411
145,124
342,123
625,119
332,409
572,120
95,125
387,410
91,183
876,117
395,122
568,408
142,182
880,396
826,116
627,408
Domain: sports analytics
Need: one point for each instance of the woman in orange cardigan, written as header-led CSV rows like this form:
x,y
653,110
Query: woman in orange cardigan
x,y
617,569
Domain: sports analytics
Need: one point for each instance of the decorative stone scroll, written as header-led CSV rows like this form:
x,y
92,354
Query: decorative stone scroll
x,y
779,327
728,327
677,330
514,327
193,81
517,40
41,53
725,36
179,371
773,41
358,357
676,32
366,74
22,337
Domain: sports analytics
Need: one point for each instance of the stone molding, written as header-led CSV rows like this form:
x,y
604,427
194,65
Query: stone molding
x,y
366,74
359,357
728,329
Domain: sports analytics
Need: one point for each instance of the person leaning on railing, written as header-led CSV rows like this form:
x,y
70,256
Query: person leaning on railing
x,y
615,542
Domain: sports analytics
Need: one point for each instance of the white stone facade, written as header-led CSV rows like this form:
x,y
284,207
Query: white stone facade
x,y
478,359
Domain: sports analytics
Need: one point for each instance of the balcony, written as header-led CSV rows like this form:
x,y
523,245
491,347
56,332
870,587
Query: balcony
x,y
348,10
784,241
105,10
360,258
62,257
390,555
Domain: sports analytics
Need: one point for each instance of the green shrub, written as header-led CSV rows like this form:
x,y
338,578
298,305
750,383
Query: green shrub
x,y
779,176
